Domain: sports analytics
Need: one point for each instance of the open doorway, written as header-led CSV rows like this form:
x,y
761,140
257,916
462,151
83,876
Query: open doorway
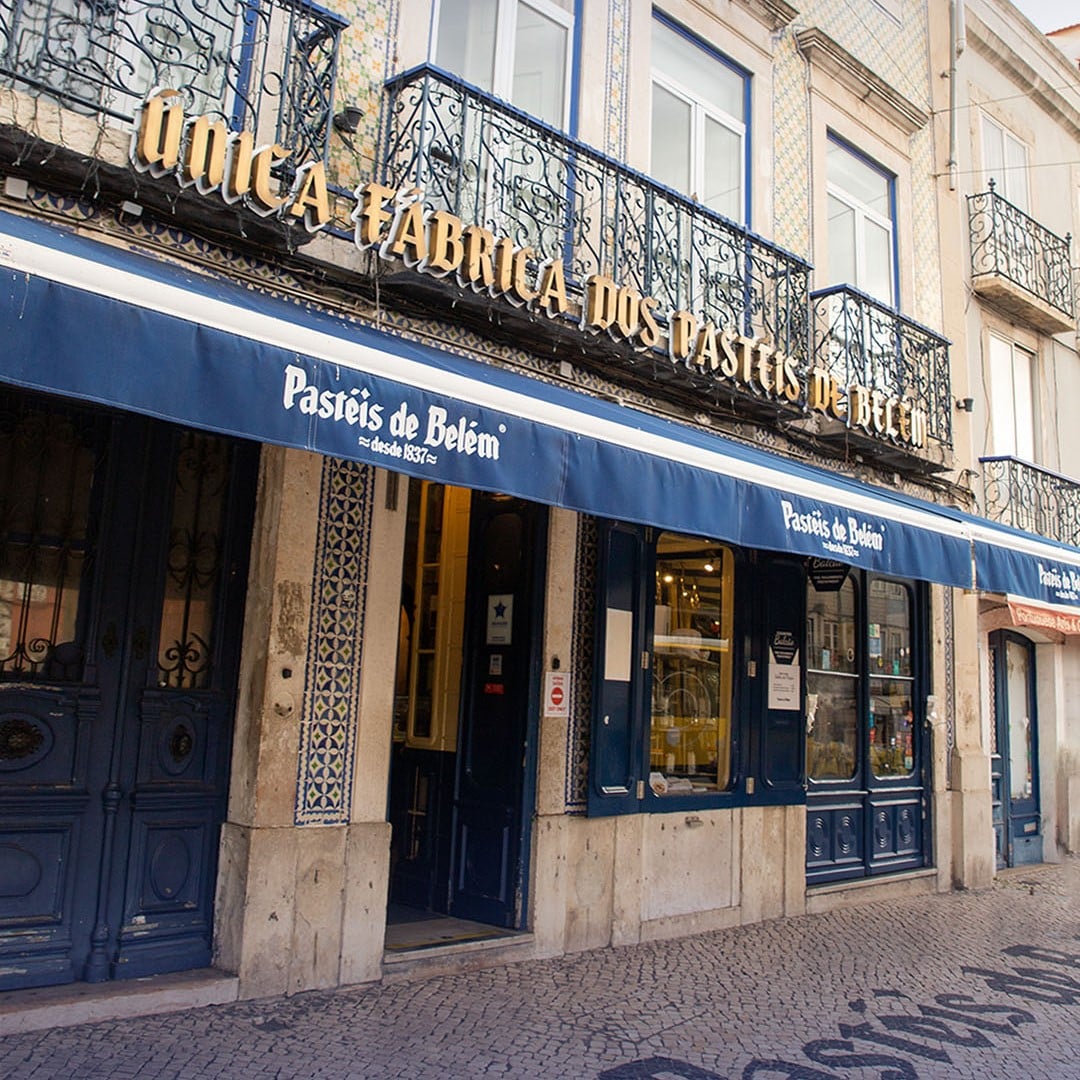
x,y
465,694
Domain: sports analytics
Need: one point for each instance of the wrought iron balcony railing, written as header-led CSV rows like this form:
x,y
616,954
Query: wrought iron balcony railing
x,y
265,65
1009,245
492,165
1031,498
862,342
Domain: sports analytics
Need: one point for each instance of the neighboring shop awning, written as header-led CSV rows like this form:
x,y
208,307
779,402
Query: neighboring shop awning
x,y
87,319
1022,565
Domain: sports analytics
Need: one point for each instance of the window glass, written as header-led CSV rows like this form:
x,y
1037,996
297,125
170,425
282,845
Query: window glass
x,y
888,641
517,51
1020,748
861,229
832,715
700,73
1005,161
540,51
1012,405
698,122
841,241
690,733
671,139
723,169
466,40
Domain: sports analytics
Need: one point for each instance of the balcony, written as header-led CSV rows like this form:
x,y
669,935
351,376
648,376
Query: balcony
x,y
861,344
492,165
269,67
1022,267
1031,498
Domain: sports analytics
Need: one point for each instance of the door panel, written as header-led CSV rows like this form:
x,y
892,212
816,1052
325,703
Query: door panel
x,y
114,744
498,692
1015,760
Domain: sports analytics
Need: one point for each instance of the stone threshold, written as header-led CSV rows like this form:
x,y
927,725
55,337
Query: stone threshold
x,y
855,884
450,959
43,1007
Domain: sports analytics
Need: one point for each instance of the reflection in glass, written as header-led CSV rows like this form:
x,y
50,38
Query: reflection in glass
x,y
892,736
48,461
1020,748
690,744
832,716
193,571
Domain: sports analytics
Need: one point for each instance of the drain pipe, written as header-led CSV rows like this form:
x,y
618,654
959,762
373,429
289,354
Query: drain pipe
x,y
957,44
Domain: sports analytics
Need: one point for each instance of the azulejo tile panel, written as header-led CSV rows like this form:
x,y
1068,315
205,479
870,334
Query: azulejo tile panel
x,y
577,735
339,591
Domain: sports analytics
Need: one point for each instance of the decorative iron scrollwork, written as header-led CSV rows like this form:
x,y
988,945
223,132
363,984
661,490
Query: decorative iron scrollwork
x,y
261,66
1007,242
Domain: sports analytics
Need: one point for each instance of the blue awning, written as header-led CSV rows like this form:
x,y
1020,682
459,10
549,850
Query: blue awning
x,y
1020,564
85,318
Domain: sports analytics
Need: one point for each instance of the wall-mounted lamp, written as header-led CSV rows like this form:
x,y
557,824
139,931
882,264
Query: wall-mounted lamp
x,y
348,120
965,404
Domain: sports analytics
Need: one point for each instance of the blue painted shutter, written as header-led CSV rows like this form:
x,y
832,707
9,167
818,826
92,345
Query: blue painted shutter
x,y
616,758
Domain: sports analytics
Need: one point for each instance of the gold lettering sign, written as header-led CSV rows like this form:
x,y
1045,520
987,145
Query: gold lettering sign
x,y
203,154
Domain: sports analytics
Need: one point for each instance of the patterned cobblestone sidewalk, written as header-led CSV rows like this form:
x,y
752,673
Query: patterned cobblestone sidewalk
x,y
967,985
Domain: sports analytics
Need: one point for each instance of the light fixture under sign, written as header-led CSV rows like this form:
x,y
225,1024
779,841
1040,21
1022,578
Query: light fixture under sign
x,y
965,404
348,120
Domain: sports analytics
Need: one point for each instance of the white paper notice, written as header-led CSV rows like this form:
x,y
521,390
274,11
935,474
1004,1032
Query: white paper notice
x,y
784,682
619,645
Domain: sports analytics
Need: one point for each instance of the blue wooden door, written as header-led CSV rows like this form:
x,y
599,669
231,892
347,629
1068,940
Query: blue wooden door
x,y
500,694
1014,763
122,566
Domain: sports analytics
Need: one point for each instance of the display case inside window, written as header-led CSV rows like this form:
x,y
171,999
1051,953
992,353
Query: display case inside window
x,y
691,661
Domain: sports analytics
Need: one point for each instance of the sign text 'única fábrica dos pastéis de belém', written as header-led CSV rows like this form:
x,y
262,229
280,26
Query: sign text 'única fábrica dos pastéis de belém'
x,y
395,222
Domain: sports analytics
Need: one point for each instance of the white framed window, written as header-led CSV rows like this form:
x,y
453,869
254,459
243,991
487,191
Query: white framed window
x,y
699,121
1012,399
517,50
862,230
1005,161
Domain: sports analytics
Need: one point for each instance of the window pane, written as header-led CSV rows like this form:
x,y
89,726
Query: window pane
x,y
1016,186
670,139
877,276
892,728
48,461
1023,403
695,69
1002,414
993,153
466,43
723,170
831,684
540,66
832,725
841,242
889,630
1020,749
690,738
860,180
194,569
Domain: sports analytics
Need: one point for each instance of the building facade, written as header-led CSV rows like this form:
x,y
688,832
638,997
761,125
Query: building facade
x,y
488,478
1014,139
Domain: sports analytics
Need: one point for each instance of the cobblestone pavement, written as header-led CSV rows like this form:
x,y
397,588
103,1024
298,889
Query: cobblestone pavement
x,y
966,985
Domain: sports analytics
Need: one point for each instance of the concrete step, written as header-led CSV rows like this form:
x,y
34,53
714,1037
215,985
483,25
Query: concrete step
x,y
79,1003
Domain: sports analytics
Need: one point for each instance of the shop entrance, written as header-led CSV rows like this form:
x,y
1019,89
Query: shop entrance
x,y
466,687
865,684
123,546
1013,761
